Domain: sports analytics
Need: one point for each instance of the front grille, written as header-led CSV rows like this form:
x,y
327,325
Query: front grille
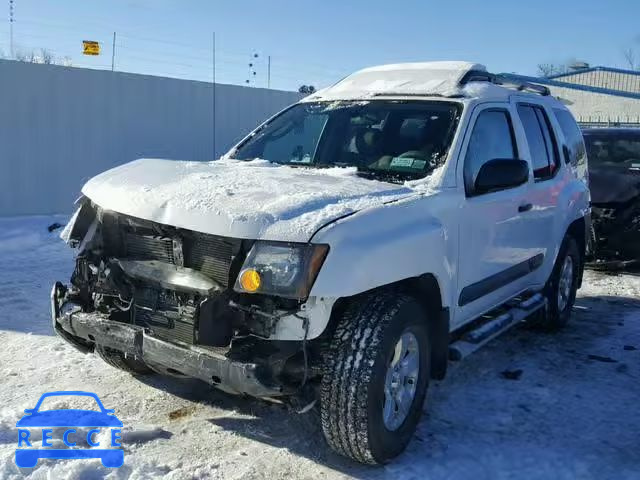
x,y
170,315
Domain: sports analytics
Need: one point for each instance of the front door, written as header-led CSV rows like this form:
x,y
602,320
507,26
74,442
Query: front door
x,y
496,252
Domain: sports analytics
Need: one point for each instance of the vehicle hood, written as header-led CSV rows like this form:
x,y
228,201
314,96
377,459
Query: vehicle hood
x,y
612,184
242,199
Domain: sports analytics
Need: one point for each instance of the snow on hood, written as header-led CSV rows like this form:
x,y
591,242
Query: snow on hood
x,y
256,199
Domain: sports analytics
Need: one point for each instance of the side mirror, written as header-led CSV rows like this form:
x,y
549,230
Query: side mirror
x,y
501,174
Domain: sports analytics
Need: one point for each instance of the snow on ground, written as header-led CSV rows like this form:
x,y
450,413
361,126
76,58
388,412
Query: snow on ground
x,y
573,412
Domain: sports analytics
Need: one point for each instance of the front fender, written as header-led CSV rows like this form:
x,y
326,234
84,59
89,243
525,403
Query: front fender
x,y
385,245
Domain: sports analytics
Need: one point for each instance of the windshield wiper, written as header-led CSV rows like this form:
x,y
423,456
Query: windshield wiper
x,y
383,176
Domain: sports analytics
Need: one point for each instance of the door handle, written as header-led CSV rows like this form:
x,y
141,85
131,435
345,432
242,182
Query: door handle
x,y
525,207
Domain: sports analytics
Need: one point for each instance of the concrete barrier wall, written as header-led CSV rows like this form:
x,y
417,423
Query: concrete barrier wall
x,y
592,107
59,126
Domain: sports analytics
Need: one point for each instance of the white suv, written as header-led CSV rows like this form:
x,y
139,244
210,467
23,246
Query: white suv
x,y
346,249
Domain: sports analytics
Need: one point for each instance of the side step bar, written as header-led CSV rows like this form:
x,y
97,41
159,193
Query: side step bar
x,y
491,327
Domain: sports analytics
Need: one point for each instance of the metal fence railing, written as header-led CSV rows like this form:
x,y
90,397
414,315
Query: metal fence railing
x,y
619,121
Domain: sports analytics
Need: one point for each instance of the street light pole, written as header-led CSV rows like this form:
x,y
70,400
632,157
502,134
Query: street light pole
x,y
213,86
11,20
113,51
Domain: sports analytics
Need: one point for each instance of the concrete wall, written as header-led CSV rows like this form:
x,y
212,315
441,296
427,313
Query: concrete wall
x,y
59,126
598,107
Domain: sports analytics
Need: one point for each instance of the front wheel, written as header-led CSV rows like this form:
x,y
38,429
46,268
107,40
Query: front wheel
x,y
376,376
124,362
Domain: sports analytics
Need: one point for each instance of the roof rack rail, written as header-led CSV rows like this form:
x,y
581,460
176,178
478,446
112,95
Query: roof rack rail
x,y
504,81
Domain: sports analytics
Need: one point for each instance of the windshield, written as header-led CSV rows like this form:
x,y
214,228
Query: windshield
x,y
615,149
387,140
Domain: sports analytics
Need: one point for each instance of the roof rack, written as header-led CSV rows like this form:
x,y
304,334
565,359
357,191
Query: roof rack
x,y
504,81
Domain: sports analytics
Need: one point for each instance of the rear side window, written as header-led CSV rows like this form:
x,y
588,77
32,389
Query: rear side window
x,y
573,136
542,144
492,138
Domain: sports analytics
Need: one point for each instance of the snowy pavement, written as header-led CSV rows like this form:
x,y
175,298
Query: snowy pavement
x,y
572,412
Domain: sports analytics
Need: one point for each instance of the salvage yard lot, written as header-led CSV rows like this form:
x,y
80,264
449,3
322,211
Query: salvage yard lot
x,y
528,405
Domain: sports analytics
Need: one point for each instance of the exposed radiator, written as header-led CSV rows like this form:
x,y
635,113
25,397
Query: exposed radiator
x,y
147,247
162,313
209,254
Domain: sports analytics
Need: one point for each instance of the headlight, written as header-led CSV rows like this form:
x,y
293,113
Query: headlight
x,y
284,269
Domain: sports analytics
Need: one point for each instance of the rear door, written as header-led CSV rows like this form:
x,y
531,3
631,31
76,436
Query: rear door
x,y
543,153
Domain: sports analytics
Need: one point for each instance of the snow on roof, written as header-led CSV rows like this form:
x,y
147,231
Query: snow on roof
x,y
425,78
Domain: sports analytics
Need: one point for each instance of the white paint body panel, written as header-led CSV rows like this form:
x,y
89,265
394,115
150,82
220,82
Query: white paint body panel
x,y
378,233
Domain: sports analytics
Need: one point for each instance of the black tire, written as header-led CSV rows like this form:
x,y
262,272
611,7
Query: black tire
x,y
352,389
119,360
593,243
556,317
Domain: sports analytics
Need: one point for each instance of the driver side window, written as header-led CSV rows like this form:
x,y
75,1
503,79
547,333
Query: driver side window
x,y
492,137
295,142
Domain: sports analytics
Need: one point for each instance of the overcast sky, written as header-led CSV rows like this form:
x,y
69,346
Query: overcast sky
x,y
319,42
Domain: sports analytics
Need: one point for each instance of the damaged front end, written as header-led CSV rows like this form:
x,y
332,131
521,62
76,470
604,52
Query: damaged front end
x,y
617,230
165,296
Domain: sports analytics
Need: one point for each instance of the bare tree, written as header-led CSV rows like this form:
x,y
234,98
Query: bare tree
x,y
28,57
546,69
42,56
629,55
46,56
550,69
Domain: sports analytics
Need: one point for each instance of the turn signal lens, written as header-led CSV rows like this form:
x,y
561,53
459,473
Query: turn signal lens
x,y
250,280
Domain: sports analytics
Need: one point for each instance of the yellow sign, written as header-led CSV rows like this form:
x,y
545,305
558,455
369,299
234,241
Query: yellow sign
x,y
90,47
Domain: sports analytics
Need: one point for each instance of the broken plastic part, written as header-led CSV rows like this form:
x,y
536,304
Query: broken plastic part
x,y
169,276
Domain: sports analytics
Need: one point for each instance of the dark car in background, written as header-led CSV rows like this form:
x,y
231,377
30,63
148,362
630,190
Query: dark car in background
x,y
614,173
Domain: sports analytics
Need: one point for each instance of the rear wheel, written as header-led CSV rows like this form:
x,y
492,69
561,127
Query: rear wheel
x,y
562,286
124,362
376,377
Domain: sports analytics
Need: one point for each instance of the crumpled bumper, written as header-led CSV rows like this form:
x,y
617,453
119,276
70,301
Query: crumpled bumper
x,y
83,330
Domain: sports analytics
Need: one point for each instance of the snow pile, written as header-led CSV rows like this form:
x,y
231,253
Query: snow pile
x,y
255,199
427,78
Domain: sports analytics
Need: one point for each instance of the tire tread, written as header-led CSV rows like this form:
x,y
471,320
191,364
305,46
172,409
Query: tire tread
x,y
117,359
344,385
